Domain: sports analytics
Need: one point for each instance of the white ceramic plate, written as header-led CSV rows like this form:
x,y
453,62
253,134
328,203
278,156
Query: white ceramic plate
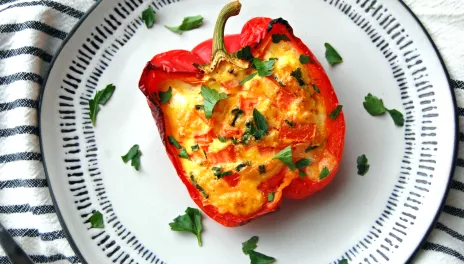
x,y
379,218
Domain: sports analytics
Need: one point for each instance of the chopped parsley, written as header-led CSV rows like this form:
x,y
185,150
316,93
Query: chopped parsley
x,y
363,166
375,107
148,16
324,173
199,188
316,88
237,112
285,156
264,68
298,76
332,55
343,261
189,222
165,96
245,54
218,172
174,142
262,169
242,166
101,98
270,197
183,154
189,23
249,246
195,147
96,220
222,139
276,38
290,124
304,59
309,148
212,97
301,164
336,112
133,155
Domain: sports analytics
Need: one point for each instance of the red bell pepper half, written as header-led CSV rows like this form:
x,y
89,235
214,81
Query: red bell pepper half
x,y
318,141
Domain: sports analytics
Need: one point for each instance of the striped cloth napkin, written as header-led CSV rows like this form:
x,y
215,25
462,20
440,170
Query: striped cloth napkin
x,y
30,34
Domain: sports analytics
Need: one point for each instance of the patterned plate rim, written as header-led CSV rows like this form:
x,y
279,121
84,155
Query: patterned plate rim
x,y
92,9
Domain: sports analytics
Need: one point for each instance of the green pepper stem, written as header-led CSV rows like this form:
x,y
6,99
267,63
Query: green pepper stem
x,y
231,9
219,50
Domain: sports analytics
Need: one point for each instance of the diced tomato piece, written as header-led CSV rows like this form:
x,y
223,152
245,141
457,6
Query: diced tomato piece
x,y
230,132
232,180
247,104
274,182
298,133
267,151
205,138
285,98
224,156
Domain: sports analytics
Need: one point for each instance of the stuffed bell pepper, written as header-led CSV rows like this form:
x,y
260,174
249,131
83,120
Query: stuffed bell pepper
x,y
246,119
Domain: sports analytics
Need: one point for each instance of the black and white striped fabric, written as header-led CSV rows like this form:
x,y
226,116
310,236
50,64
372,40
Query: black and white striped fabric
x,y
30,34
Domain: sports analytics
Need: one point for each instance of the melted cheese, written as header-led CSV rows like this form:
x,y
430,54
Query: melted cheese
x,y
185,123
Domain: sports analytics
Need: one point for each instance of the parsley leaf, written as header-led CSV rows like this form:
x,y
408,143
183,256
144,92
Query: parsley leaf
x,y
260,121
101,97
245,54
236,112
174,142
324,173
96,220
304,59
298,76
249,77
270,197
363,166
198,186
250,244
211,97
336,112
148,16
285,156
183,154
300,164
276,38
133,155
264,67
374,105
259,258
222,139
189,222
189,23
165,96
316,88
332,55
195,147
397,117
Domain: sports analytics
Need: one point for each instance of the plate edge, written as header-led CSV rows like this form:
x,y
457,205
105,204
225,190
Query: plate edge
x,y
456,131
